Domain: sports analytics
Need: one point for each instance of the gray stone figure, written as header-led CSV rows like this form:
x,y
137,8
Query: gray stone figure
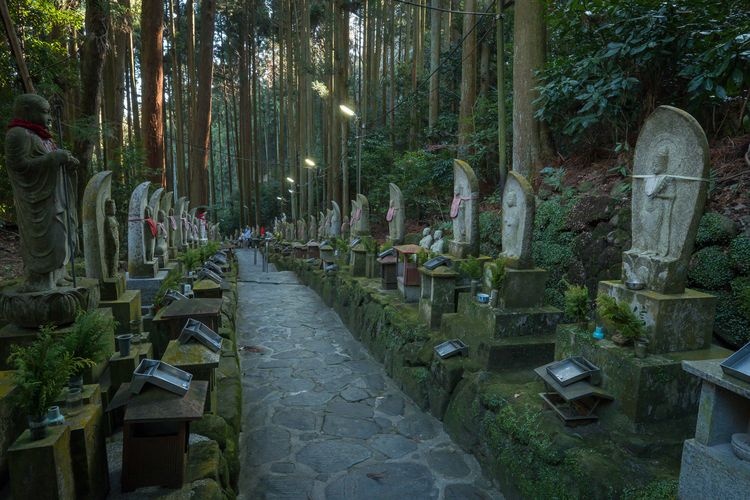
x,y
179,241
160,241
98,192
335,220
40,174
426,241
438,244
166,206
150,231
140,249
395,216
345,228
670,182
111,240
312,227
518,221
464,211
362,225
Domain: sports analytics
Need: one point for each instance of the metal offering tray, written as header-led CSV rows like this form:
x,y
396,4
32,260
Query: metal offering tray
x,y
172,296
161,375
213,267
386,253
355,242
220,259
207,274
450,348
573,369
194,329
738,364
436,262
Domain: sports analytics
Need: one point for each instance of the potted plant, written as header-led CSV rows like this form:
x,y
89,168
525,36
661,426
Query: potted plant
x,y
41,370
577,304
88,340
620,319
497,279
472,268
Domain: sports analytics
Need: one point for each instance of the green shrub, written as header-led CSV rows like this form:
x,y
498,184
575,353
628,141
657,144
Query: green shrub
x,y
550,218
710,268
741,295
497,273
491,232
90,336
577,303
731,324
714,229
552,255
739,254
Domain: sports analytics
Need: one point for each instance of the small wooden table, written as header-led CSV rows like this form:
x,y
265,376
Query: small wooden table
x,y
156,430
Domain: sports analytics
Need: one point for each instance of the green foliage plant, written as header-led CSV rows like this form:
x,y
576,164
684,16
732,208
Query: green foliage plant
x,y
191,259
340,244
497,273
471,267
714,229
577,303
422,257
89,337
618,317
42,369
387,245
371,246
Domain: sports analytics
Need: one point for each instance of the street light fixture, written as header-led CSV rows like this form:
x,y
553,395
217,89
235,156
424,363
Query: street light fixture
x,y
358,126
290,180
309,162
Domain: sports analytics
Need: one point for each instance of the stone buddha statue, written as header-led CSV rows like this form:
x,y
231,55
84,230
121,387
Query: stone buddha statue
x,y
45,206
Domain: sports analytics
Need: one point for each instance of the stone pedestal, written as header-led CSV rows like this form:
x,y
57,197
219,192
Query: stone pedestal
x,y
326,254
121,368
197,359
88,452
58,306
90,395
522,288
173,252
359,264
207,289
410,293
144,270
12,422
511,322
170,320
437,294
126,309
388,272
112,288
42,468
459,249
710,469
313,250
14,335
371,265
677,322
148,286
651,389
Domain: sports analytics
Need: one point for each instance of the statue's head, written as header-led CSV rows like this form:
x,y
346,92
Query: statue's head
x,y
426,231
511,200
438,234
109,207
33,108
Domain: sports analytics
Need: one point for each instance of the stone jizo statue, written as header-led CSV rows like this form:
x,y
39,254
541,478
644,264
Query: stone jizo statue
x,y
111,239
438,244
426,241
518,221
40,175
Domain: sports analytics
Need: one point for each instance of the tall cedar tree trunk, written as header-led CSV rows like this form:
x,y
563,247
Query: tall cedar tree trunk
x,y
306,99
334,190
434,63
133,107
179,136
528,57
468,80
242,135
93,53
502,140
152,82
15,47
342,62
202,123
114,95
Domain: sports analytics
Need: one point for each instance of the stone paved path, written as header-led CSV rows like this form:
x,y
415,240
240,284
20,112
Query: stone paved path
x,y
321,419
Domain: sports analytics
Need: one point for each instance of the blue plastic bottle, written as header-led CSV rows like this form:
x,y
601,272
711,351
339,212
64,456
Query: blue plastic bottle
x,y
598,333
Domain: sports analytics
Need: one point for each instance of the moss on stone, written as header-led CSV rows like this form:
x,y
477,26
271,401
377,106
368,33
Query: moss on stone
x,y
213,427
207,489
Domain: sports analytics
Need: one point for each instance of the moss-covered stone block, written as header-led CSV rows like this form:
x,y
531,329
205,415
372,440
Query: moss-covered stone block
x,y
42,468
11,420
229,398
461,418
674,322
213,427
513,353
414,382
207,289
126,310
652,389
437,294
523,288
88,452
206,489
359,261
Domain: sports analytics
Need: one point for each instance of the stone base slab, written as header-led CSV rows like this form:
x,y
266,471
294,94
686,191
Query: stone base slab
x,y
437,295
515,353
519,322
143,270
112,288
148,286
58,306
12,422
359,264
523,288
126,310
712,472
410,293
678,322
652,389
42,468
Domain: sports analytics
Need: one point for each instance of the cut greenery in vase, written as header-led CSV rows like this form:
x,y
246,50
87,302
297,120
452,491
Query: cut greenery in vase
x,y
90,338
577,303
619,319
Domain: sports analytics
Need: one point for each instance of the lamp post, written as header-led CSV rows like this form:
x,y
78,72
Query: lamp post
x,y
358,126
